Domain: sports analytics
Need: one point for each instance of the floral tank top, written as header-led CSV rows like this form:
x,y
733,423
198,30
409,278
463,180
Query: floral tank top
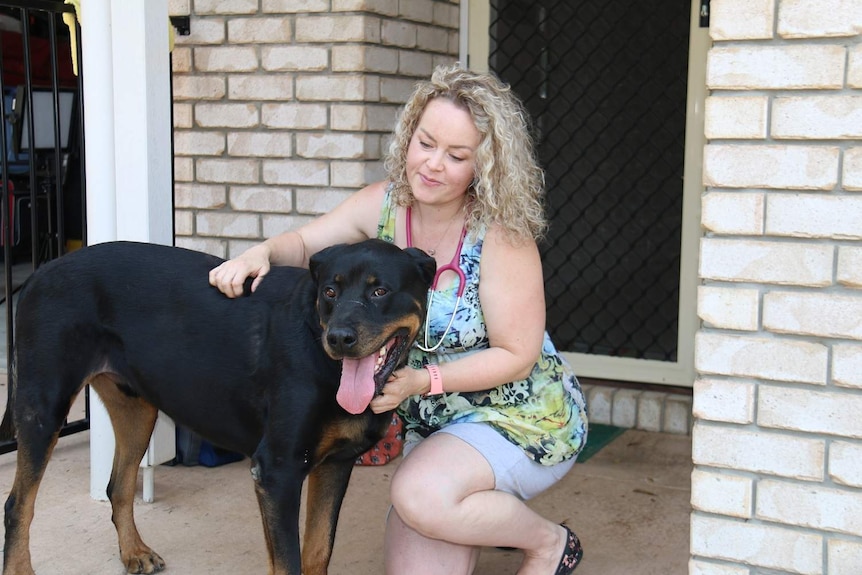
x,y
544,414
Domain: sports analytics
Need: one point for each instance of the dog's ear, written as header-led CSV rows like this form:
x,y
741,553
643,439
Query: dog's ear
x,y
426,264
321,258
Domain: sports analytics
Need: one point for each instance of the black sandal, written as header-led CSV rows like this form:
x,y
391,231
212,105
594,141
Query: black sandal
x,y
572,553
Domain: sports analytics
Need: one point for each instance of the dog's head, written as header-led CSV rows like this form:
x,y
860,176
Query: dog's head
x,y
371,299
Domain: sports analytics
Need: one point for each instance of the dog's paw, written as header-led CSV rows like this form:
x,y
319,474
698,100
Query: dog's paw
x,y
145,560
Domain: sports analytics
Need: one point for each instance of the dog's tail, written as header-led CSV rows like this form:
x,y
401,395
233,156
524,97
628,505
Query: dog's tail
x,y
7,426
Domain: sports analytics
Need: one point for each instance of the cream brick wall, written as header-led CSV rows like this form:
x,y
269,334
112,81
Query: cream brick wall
x,y
777,440
764,545
844,557
282,107
722,493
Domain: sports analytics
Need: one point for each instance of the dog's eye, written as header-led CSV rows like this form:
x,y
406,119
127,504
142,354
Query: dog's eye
x,y
380,292
329,293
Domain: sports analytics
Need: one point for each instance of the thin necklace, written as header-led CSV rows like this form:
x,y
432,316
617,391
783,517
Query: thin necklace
x,y
433,251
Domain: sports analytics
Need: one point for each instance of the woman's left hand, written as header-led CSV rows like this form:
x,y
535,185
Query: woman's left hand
x,y
402,384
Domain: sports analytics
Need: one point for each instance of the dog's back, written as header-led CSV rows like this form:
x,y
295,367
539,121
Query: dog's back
x,y
147,314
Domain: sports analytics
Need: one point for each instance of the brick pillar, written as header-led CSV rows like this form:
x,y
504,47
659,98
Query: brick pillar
x,y
777,441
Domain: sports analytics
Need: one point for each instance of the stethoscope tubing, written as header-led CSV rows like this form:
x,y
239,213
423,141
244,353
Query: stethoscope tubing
x,y
453,266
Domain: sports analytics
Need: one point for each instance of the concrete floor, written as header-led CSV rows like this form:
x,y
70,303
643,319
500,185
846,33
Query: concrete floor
x,y
629,505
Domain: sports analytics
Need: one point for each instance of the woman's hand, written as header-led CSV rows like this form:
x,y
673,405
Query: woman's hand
x,y
402,384
230,276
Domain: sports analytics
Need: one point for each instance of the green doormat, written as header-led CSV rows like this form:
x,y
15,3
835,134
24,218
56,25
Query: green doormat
x,y
599,435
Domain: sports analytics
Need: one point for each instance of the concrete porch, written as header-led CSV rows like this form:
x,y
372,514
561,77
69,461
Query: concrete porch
x,y
629,504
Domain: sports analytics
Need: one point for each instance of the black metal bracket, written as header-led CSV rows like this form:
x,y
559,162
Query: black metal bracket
x,y
183,24
704,13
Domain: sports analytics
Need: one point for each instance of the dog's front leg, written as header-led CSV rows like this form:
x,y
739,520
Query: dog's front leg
x,y
278,486
327,484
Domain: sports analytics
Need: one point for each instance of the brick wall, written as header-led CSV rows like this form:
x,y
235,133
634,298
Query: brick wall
x,y
777,440
282,108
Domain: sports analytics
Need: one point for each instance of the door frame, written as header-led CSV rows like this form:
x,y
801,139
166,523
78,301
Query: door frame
x,y
475,47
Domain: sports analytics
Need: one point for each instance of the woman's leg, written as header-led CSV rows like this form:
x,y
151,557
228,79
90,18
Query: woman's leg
x,y
444,491
408,552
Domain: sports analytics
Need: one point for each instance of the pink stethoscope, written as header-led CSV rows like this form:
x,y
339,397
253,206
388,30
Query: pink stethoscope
x,y
452,266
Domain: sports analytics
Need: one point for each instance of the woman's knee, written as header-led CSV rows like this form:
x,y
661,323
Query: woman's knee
x,y
435,478
414,495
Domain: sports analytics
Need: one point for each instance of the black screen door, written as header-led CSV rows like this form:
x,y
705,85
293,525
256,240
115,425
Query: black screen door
x,y
605,84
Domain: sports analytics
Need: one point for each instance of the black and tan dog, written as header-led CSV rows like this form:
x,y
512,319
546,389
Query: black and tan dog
x,y
258,375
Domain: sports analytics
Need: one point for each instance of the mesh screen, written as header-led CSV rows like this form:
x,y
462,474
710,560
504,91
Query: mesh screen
x,y
605,84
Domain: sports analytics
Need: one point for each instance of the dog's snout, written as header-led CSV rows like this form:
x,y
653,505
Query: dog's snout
x,y
341,339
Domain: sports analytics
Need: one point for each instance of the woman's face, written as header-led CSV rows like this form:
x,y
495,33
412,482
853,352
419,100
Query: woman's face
x,y
442,153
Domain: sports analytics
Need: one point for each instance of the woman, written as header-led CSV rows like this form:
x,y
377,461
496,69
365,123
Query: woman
x,y
493,414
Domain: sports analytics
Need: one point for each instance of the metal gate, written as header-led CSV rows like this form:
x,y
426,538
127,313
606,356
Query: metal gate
x,y
605,83
43,187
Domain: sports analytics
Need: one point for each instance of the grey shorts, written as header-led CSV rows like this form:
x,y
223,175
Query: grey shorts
x,y
514,471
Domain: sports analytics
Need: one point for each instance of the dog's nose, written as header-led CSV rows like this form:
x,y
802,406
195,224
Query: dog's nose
x,y
341,338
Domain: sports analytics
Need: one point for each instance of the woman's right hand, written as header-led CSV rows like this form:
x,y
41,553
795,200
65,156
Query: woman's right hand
x,y
354,220
230,276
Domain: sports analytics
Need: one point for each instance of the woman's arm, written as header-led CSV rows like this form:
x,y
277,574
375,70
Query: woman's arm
x,y
354,220
512,293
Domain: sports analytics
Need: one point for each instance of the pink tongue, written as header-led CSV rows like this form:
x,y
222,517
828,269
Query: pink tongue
x,y
357,384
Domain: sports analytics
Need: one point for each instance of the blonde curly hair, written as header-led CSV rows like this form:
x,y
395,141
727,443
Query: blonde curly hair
x,y
508,186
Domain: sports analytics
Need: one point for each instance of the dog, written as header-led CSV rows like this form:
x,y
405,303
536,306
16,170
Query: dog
x,y
283,376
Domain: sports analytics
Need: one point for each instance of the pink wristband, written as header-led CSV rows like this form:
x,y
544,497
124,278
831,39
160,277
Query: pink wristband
x,y
436,380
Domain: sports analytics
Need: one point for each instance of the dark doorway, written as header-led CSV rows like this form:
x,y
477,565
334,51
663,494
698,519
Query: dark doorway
x,y
605,83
